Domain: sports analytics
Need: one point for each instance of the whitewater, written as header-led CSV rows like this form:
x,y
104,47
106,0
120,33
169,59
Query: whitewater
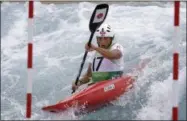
x,y
60,34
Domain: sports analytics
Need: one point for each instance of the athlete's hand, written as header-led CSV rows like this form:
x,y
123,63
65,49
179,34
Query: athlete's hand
x,y
90,48
74,87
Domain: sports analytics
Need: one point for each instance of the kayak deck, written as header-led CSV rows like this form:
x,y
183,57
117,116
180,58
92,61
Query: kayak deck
x,y
95,95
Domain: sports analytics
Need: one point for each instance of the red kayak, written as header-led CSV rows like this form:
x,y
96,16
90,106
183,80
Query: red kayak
x,y
94,95
99,93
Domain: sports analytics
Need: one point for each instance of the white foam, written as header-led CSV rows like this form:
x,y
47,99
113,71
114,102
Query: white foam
x,y
144,31
159,105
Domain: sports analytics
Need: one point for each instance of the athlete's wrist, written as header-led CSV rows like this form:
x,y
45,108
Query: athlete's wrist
x,y
95,48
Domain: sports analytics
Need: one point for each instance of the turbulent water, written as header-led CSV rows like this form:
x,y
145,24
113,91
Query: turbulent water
x,y
60,33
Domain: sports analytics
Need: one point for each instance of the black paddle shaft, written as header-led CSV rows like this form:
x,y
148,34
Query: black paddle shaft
x,y
84,58
83,61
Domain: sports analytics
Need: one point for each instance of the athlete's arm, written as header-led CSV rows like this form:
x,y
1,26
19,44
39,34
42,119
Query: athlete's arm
x,y
86,77
109,54
114,54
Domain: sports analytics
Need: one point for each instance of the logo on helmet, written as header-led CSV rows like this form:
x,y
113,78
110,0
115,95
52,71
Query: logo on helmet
x,y
102,32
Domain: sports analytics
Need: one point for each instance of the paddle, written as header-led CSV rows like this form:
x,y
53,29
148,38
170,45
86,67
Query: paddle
x,y
98,16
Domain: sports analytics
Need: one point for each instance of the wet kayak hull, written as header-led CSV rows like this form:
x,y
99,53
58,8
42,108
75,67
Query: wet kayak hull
x,y
95,95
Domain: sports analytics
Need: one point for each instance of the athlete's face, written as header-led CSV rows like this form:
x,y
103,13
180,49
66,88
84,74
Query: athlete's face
x,y
104,42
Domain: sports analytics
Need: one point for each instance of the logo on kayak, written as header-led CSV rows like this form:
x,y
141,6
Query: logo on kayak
x,y
109,87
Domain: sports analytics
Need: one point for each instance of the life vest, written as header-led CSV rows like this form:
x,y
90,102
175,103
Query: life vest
x,y
105,69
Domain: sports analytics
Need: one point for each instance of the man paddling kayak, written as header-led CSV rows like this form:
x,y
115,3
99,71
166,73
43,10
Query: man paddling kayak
x,y
107,60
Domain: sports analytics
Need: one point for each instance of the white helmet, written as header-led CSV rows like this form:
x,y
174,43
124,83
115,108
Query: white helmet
x,y
105,30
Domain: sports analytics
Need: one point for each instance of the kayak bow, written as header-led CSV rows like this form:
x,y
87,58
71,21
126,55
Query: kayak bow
x,y
95,95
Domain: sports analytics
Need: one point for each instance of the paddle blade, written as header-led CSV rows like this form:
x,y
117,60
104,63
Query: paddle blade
x,y
98,16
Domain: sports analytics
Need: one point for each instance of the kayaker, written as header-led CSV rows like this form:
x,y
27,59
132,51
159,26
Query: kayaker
x,y
106,61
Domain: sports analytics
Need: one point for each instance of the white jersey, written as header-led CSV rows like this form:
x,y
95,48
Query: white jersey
x,y
100,64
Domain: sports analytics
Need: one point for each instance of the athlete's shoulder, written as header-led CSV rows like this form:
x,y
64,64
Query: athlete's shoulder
x,y
117,46
91,53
